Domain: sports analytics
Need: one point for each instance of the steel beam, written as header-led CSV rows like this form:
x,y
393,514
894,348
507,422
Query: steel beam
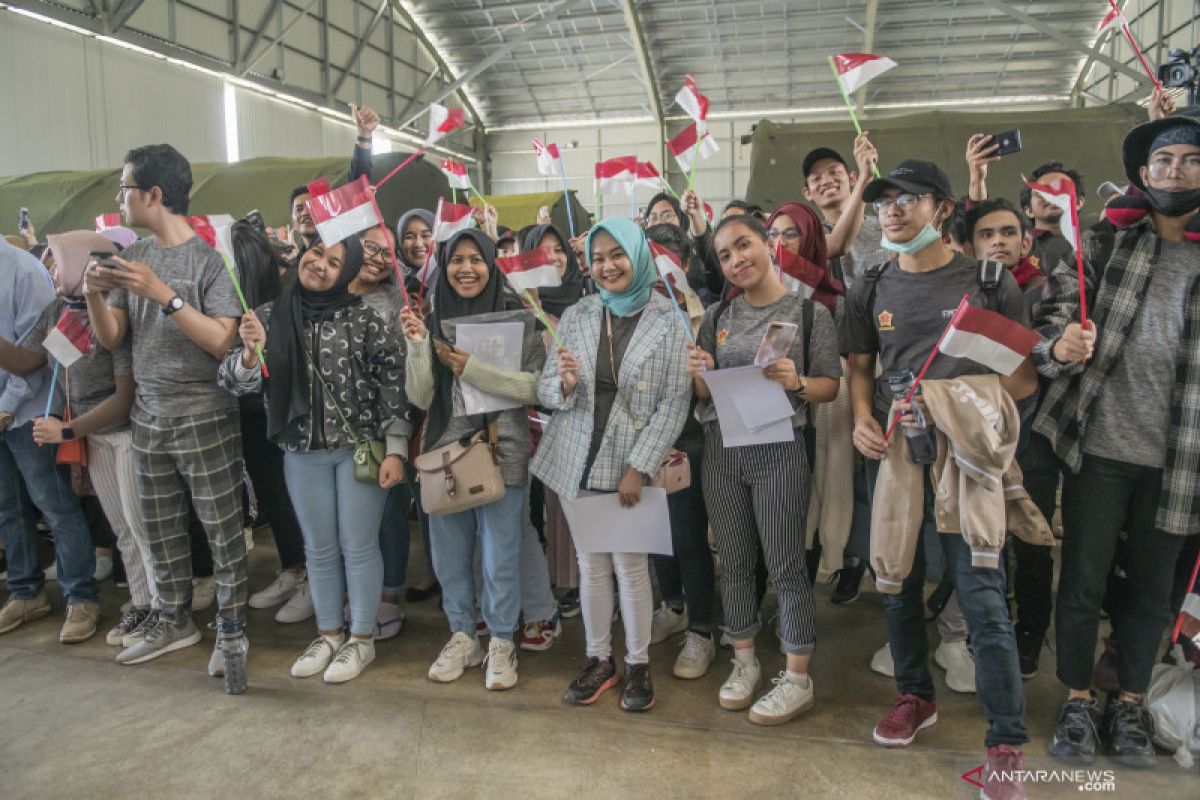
x,y
634,23
360,44
869,25
278,39
118,18
267,16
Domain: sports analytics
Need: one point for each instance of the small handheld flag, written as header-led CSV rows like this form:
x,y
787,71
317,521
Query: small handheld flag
x,y
547,157
853,71
450,219
344,211
456,173
104,221
694,104
617,175
442,121
673,277
69,340
532,269
687,149
1062,194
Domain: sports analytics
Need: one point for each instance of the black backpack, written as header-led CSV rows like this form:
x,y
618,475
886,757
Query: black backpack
x,y
989,275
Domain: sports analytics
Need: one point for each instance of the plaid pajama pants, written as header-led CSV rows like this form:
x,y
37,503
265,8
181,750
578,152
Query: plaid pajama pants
x,y
196,458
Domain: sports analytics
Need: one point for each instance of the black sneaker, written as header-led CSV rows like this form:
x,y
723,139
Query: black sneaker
x,y
849,579
1029,648
597,677
638,692
1075,737
416,595
568,604
1129,731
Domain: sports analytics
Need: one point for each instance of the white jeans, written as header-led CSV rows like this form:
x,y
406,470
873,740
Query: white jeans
x,y
596,600
110,467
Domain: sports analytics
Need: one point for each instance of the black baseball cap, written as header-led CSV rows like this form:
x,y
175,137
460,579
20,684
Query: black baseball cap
x,y
821,154
505,233
915,177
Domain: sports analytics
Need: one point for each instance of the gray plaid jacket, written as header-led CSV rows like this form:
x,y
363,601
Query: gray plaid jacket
x,y
1114,298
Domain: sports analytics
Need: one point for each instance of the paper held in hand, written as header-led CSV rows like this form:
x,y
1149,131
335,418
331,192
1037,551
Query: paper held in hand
x,y
497,344
599,524
751,408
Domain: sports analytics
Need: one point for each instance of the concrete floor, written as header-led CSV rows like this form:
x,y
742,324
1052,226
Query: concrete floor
x,y
73,723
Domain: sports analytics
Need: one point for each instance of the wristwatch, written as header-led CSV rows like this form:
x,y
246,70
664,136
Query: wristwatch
x,y
173,305
68,433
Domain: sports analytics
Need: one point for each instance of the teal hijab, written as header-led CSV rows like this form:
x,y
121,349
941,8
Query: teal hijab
x,y
632,239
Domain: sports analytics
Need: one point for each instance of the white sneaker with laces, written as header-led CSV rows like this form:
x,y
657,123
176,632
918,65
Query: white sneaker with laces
x,y
316,657
882,662
351,659
789,699
956,659
667,622
204,593
277,591
696,657
460,652
738,690
104,567
501,664
298,608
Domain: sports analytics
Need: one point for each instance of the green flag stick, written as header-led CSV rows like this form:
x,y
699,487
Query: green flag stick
x,y
453,195
849,105
695,159
262,359
541,315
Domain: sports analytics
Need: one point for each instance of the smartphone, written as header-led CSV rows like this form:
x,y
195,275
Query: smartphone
x,y
23,219
775,342
104,258
1009,141
255,220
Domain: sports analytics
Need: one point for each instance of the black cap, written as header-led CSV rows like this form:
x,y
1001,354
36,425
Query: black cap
x,y
504,233
915,177
1136,149
821,154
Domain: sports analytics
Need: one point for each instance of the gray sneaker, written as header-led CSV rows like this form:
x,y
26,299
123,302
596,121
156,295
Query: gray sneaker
x,y
161,638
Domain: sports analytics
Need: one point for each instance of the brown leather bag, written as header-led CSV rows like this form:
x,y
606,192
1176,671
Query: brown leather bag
x,y
461,475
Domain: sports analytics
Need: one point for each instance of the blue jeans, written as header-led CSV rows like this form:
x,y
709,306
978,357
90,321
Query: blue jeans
x,y
497,529
339,518
28,472
395,535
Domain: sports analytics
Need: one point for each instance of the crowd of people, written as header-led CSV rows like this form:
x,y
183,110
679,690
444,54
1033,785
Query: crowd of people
x,y
340,399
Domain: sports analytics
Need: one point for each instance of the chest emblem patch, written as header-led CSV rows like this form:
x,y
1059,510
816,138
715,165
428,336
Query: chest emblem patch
x,y
886,320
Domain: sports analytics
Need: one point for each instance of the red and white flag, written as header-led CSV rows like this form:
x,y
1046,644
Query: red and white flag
x,y
857,69
1188,622
987,338
532,269
617,175
216,230
547,157
104,221
442,121
691,101
647,175
450,219
344,211
456,173
1114,20
70,339
685,148
669,268
1061,193
798,274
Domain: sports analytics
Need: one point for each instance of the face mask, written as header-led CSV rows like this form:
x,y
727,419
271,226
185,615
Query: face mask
x,y
926,237
1173,204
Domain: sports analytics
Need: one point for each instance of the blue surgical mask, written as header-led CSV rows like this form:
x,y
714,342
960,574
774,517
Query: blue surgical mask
x,y
926,237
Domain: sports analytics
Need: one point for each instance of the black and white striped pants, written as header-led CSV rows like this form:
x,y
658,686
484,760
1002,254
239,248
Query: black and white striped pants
x,y
759,495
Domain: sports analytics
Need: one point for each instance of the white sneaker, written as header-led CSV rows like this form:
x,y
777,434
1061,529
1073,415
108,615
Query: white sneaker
x,y
738,690
104,567
882,661
351,659
501,664
204,593
298,608
789,699
278,591
956,659
696,657
316,656
667,622
460,652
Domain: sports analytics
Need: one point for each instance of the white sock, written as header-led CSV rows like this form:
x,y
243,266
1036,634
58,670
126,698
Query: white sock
x,y
746,656
798,678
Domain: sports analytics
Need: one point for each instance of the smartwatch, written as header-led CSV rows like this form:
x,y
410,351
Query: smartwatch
x,y
68,433
173,305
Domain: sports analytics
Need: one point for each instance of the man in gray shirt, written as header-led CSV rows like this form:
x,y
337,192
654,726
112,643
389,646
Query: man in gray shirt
x,y
172,292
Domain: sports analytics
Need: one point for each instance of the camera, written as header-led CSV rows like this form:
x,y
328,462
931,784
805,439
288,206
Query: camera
x,y
1180,71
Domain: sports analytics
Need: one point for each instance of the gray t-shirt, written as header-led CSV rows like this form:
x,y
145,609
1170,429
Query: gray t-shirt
x,y
733,341
909,313
175,376
865,251
1132,414
92,379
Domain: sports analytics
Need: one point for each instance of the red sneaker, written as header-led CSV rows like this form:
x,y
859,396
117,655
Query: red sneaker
x,y
899,727
1002,775
540,635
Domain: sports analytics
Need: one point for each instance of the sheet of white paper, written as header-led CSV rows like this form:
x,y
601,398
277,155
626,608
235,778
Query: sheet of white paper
x,y
497,344
741,394
600,525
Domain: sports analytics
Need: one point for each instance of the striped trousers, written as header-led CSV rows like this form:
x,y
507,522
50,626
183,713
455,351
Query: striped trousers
x,y
110,467
758,495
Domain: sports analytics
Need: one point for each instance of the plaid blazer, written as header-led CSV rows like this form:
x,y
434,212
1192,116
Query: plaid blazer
x,y
1115,297
653,379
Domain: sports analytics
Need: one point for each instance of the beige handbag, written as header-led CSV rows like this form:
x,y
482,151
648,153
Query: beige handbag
x,y
675,474
459,476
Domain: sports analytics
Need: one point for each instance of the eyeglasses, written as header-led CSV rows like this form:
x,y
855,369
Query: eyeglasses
x,y
372,250
833,173
790,235
122,189
1163,164
902,201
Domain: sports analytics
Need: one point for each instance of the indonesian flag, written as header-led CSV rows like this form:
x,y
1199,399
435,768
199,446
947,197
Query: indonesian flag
x,y
69,340
858,69
1189,618
442,121
987,338
344,211
532,269
685,148
217,232
669,268
450,219
617,175
319,186
547,156
798,274
647,175
1113,20
691,101
1061,194
104,221
456,173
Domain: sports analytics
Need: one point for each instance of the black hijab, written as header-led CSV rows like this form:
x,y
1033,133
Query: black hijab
x,y
557,299
287,389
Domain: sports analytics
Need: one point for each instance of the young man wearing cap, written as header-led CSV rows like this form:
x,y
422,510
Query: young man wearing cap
x,y
895,316
1121,413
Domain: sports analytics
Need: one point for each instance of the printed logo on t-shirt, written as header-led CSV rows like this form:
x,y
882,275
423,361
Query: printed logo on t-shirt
x,y
722,335
947,313
1035,262
886,318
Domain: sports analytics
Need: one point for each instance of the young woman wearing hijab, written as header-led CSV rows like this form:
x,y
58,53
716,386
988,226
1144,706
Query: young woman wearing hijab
x,y
757,495
336,377
619,394
471,289
414,240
